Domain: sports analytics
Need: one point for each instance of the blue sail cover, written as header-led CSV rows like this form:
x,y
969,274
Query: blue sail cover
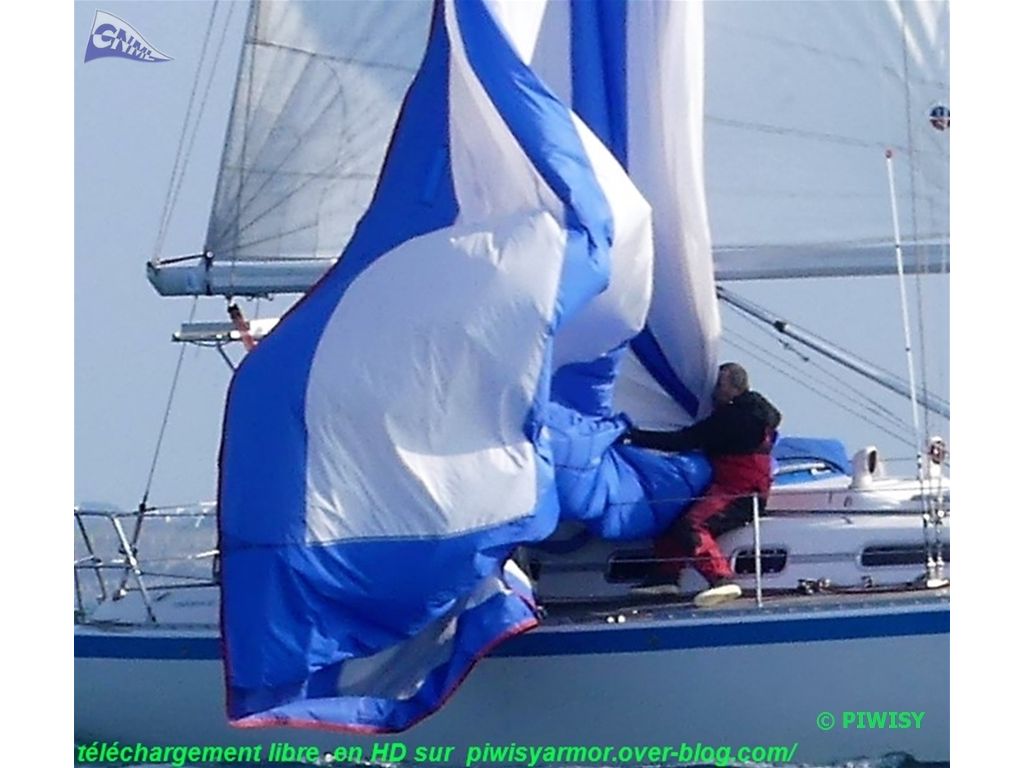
x,y
798,459
405,426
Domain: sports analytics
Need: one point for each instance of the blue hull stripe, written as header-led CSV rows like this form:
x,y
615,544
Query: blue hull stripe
x,y
585,641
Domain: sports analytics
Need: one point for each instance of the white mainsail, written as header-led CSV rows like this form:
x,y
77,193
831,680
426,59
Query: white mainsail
x,y
803,99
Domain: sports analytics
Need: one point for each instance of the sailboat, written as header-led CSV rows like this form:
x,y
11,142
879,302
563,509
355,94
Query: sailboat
x,y
844,584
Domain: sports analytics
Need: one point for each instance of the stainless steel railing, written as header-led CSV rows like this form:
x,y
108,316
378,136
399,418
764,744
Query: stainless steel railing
x,y
108,548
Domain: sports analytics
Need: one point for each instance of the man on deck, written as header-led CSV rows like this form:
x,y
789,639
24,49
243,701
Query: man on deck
x,y
737,437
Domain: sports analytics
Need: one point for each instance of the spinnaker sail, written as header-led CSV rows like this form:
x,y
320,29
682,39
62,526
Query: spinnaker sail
x,y
441,396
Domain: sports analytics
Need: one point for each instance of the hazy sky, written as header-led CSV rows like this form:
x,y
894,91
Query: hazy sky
x,y
128,118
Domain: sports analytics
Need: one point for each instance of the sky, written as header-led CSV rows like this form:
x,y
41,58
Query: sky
x,y
89,340
128,120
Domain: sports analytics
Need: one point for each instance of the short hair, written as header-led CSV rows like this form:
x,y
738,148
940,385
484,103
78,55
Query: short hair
x,y
736,375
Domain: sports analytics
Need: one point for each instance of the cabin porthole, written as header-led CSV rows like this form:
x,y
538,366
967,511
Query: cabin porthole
x,y
629,566
897,555
773,560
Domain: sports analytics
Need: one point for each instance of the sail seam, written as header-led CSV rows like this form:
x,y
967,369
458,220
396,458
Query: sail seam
x,y
247,171
306,174
817,135
824,53
329,57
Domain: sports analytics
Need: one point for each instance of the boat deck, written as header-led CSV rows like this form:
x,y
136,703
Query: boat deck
x,y
674,606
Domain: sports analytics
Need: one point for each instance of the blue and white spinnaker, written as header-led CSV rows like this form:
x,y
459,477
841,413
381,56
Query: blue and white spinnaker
x,y
440,397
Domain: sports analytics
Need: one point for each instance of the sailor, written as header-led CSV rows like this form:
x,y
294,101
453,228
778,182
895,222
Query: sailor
x,y
737,437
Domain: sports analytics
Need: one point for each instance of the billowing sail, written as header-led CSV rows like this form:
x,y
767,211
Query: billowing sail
x,y
634,71
441,396
316,100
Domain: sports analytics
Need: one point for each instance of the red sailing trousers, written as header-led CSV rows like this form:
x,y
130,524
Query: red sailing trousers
x,y
727,504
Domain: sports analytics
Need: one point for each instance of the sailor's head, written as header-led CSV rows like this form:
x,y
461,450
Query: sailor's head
x,y
732,382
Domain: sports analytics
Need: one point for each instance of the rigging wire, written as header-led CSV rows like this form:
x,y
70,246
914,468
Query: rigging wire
x,y
167,411
181,162
856,403
767,359
912,162
858,395
848,390
199,114
833,345
755,353
165,215
912,156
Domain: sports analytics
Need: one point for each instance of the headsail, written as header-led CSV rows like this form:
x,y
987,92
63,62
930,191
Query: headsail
x,y
318,91
401,430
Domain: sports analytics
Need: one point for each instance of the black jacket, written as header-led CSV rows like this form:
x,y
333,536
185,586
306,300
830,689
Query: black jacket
x,y
745,425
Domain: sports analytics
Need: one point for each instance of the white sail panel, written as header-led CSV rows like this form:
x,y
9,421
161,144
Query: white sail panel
x,y
666,161
440,413
319,88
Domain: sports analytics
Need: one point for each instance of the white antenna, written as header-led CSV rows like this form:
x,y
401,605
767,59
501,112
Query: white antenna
x,y
906,317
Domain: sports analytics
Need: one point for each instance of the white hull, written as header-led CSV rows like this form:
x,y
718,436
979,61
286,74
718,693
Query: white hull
x,y
665,676
620,670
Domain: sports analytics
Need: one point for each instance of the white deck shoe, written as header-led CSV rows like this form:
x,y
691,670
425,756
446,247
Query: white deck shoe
x,y
721,593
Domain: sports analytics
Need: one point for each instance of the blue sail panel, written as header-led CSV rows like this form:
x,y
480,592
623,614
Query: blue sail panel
x,y
618,491
798,459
